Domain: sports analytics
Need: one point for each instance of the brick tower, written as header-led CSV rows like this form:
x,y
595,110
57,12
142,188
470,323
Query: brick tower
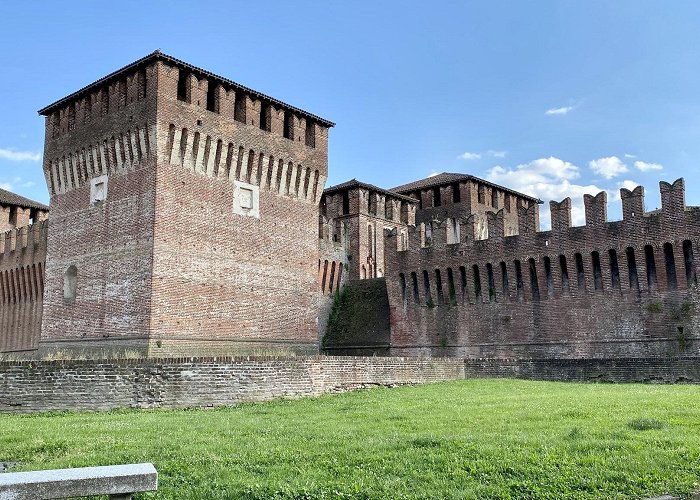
x,y
184,210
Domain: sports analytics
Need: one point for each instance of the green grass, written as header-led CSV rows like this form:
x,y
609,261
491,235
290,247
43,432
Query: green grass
x,y
466,439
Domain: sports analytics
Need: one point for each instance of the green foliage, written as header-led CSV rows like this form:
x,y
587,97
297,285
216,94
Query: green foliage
x,y
655,307
497,439
429,303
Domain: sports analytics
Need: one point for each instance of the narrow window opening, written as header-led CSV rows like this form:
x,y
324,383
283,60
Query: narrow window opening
x,y
265,116
436,196
481,195
580,276
549,277
506,202
426,285
463,281
310,135
534,284
388,209
143,82
212,105
372,203
346,203
456,195
614,269
690,275
491,282
438,285
105,100
288,131
414,282
494,198
451,286
564,273
597,271
402,281
651,266
477,281
671,279
70,283
504,280
182,86
518,278
330,282
239,109
632,267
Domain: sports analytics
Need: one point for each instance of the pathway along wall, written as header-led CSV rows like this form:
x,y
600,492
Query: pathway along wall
x,y
31,386
604,290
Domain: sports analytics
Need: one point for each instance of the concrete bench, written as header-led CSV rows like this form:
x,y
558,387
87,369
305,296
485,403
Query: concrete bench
x,y
118,481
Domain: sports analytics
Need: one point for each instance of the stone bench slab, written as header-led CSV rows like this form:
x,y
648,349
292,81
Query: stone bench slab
x,y
117,480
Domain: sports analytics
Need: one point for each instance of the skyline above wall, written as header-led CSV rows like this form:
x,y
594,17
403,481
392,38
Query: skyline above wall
x,y
552,99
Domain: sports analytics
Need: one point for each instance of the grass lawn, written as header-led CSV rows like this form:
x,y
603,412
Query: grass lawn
x,y
466,439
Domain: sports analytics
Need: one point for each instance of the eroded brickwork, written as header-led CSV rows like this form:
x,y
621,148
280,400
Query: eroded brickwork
x,y
183,210
22,261
607,289
185,382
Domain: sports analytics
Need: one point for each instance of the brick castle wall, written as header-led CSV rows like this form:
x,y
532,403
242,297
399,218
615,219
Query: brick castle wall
x,y
22,261
109,134
32,386
173,260
222,280
607,289
636,370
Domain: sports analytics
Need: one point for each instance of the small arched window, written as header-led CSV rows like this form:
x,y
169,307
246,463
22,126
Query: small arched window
x,y
70,282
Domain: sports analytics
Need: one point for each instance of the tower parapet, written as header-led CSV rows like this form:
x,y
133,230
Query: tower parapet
x,y
606,289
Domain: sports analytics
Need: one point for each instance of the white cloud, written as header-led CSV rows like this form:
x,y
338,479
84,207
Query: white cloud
x,y
470,156
433,173
608,167
12,155
559,111
548,179
497,154
627,184
6,185
627,155
646,167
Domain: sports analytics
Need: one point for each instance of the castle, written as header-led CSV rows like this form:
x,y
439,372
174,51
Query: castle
x,y
188,216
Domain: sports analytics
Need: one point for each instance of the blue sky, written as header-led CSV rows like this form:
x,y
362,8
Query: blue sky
x,y
554,98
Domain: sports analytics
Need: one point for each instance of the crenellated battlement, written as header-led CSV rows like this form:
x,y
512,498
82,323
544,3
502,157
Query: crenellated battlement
x,y
219,158
28,238
635,220
110,155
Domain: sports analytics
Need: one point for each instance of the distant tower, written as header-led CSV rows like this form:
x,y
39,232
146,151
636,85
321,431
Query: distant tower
x,y
183,215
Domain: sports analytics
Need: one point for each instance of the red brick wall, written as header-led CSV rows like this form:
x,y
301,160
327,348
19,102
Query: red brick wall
x,y
601,319
22,260
109,132
224,282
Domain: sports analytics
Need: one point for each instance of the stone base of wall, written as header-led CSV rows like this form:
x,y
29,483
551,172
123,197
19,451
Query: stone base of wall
x,y
640,370
30,386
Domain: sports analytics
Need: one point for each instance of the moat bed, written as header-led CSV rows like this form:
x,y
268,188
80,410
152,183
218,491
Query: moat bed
x,y
467,439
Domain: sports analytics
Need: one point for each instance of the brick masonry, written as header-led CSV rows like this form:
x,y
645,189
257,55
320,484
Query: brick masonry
x,y
638,370
603,290
31,386
172,260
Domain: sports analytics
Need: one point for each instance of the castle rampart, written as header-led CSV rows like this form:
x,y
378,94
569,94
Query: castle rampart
x,y
22,260
606,289
183,203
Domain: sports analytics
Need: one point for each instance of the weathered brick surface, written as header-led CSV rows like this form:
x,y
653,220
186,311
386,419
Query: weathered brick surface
x,y
638,370
177,383
22,260
165,264
540,313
